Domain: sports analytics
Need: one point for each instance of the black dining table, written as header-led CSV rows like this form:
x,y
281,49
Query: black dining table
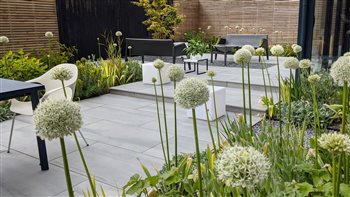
x,y
13,89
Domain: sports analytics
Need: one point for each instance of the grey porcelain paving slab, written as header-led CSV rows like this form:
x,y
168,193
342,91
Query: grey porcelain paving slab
x,y
110,164
24,141
5,126
121,135
87,104
21,176
79,188
119,102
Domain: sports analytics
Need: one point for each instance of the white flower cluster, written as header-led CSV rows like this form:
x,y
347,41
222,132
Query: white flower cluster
x,y
158,64
239,166
211,73
175,72
291,63
347,54
191,92
277,50
305,63
242,56
260,51
61,73
335,143
340,69
296,48
4,40
118,33
250,48
313,79
49,34
57,118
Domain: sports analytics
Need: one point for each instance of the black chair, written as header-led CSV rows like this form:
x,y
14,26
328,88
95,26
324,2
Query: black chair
x,y
154,47
235,41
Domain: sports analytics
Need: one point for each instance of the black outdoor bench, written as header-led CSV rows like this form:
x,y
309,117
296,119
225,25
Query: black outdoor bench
x,y
230,42
154,47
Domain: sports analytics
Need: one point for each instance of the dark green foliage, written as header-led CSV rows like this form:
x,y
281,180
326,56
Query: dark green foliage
x,y
133,68
5,112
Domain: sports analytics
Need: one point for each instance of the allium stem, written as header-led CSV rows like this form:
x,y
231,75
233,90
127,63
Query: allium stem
x,y
66,168
175,127
290,96
334,176
268,75
197,153
263,74
250,103
243,92
165,120
93,187
210,130
216,113
159,125
345,104
316,122
64,89
279,100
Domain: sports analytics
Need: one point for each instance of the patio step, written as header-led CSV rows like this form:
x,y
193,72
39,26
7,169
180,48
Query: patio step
x,y
234,100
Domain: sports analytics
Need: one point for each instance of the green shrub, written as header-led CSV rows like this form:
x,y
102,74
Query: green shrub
x,y
20,66
134,69
5,112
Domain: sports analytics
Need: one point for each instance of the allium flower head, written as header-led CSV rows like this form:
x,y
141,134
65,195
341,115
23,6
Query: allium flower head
x,y
191,93
57,118
211,73
61,73
340,69
250,48
209,27
277,50
297,48
313,79
242,56
260,51
49,34
4,40
118,33
291,63
335,143
239,166
129,47
154,80
175,72
305,63
347,54
158,64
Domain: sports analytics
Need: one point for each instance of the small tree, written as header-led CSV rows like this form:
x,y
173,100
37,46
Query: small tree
x,y
163,19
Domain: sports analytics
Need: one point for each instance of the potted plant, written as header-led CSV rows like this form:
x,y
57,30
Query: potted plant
x,y
196,48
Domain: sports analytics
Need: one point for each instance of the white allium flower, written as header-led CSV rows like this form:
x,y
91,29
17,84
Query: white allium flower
x,y
335,143
49,34
242,56
260,51
57,118
291,63
250,48
4,40
347,54
297,48
61,73
226,27
129,47
313,79
277,50
118,33
305,63
175,72
211,73
158,64
154,80
340,69
237,27
191,93
209,27
239,166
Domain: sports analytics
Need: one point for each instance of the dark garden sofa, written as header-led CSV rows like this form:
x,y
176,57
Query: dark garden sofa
x,y
154,47
232,42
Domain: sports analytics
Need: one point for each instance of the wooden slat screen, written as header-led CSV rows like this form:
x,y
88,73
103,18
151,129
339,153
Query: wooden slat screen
x,y
25,22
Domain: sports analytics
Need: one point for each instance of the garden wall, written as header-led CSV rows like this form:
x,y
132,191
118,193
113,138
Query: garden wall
x,y
252,15
25,22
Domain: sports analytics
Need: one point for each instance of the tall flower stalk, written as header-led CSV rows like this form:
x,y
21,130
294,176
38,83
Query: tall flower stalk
x,y
189,94
290,63
210,129
211,74
313,80
159,64
154,80
63,74
175,73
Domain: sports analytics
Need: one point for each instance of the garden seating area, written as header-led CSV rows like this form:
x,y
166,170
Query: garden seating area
x,y
163,98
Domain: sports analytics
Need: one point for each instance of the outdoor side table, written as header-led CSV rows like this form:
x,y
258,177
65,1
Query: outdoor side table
x,y
13,89
195,63
148,72
220,97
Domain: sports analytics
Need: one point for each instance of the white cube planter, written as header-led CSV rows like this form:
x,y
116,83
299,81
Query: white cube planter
x,y
220,97
148,72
